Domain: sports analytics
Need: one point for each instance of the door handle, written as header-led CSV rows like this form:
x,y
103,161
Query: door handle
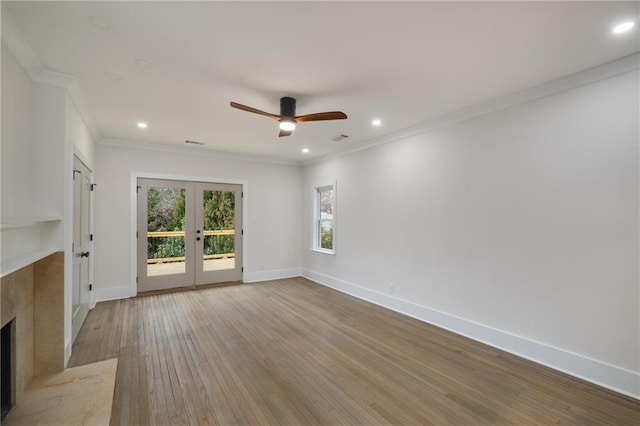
x,y
84,254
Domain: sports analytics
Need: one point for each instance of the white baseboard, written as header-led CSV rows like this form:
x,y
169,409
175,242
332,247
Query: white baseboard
x,y
611,377
114,293
124,292
275,274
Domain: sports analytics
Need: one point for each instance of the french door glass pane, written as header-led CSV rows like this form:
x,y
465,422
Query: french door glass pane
x,y
219,230
165,231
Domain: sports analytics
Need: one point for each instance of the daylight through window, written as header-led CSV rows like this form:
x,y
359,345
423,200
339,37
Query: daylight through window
x,y
325,231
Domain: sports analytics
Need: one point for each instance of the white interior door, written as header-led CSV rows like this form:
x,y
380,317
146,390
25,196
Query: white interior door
x,y
81,244
189,233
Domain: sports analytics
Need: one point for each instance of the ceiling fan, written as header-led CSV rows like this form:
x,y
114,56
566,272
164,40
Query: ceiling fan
x,y
288,118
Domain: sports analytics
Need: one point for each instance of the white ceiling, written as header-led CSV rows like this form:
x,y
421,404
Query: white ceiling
x,y
405,63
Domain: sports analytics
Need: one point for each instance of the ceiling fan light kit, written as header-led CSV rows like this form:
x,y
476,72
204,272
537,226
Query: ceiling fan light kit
x,y
288,125
287,118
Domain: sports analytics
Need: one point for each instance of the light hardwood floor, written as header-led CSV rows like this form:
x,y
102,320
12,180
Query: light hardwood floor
x,y
293,352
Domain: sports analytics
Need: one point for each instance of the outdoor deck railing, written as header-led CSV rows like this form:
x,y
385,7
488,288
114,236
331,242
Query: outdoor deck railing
x,y
181,234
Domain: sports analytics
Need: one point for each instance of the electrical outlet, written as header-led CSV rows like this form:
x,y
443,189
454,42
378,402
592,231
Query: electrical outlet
x,y
392,288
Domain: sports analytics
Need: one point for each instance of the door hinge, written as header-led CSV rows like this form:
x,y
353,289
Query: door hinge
x,y
136,234
90,287
242,194
90,237
73,247
242,232
74,173
138,188
242,269
93,185
136,280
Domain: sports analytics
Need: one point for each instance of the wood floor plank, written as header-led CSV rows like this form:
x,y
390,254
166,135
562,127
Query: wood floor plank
x,y
292,352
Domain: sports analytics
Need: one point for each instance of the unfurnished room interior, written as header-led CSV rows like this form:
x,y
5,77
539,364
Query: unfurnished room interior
x,y
320,213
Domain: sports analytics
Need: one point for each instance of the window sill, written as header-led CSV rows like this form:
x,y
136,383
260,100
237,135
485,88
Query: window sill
x,y
324,251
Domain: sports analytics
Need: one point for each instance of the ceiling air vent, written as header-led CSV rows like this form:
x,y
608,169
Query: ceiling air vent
x,y
194,142
339,138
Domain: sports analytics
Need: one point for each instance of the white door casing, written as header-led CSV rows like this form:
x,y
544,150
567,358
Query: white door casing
x,y
192,266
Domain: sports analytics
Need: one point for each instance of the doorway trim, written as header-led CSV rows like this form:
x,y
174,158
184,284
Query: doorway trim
x,y
84,237
133,215
71,152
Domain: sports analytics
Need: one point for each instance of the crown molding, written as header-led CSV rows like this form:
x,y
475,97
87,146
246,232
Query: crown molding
x,y
200,152
78,100
14,40
612,69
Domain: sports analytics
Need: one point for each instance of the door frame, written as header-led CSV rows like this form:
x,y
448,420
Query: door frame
x,y
90,260
133,215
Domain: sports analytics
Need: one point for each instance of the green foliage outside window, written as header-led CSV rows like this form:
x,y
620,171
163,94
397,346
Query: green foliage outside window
x,y
219,214
326,238
325,218
166,212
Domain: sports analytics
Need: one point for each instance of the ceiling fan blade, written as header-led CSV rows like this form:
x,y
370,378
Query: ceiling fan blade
x,y
285,133
320,116
254,110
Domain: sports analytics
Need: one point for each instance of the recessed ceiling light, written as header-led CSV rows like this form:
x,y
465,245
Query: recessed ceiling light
x,y
142,63
113,76
376,122
101,23
142,125
623,27
305,150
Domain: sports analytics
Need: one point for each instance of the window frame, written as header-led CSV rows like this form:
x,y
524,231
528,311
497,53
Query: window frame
x,y
316,240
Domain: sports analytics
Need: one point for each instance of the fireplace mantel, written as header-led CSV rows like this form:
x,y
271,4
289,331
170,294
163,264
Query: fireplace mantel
x,y
27,239
12,265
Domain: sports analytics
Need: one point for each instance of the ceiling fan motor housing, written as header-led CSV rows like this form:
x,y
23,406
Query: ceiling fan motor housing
x,y
287,107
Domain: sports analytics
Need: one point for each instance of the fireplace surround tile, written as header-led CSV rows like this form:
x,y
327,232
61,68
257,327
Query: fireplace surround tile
x,y
34,296
48,316
17,302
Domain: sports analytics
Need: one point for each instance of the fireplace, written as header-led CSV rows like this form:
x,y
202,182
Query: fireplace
x,y
7,367
32,320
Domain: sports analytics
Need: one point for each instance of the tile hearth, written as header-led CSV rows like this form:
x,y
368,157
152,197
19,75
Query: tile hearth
x,y
77,396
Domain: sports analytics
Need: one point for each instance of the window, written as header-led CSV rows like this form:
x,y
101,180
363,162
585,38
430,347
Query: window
x,y
324,230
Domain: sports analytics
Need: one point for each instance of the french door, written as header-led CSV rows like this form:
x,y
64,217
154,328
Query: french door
x,y
189,233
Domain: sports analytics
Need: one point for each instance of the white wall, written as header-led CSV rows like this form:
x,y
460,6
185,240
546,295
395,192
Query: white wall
x,y
79,142
33,147
78,134
47,165
272,234
17,138
41,128
519,228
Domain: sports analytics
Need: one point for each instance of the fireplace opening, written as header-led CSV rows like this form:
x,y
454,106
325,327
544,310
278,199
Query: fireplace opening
x,y
7,367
